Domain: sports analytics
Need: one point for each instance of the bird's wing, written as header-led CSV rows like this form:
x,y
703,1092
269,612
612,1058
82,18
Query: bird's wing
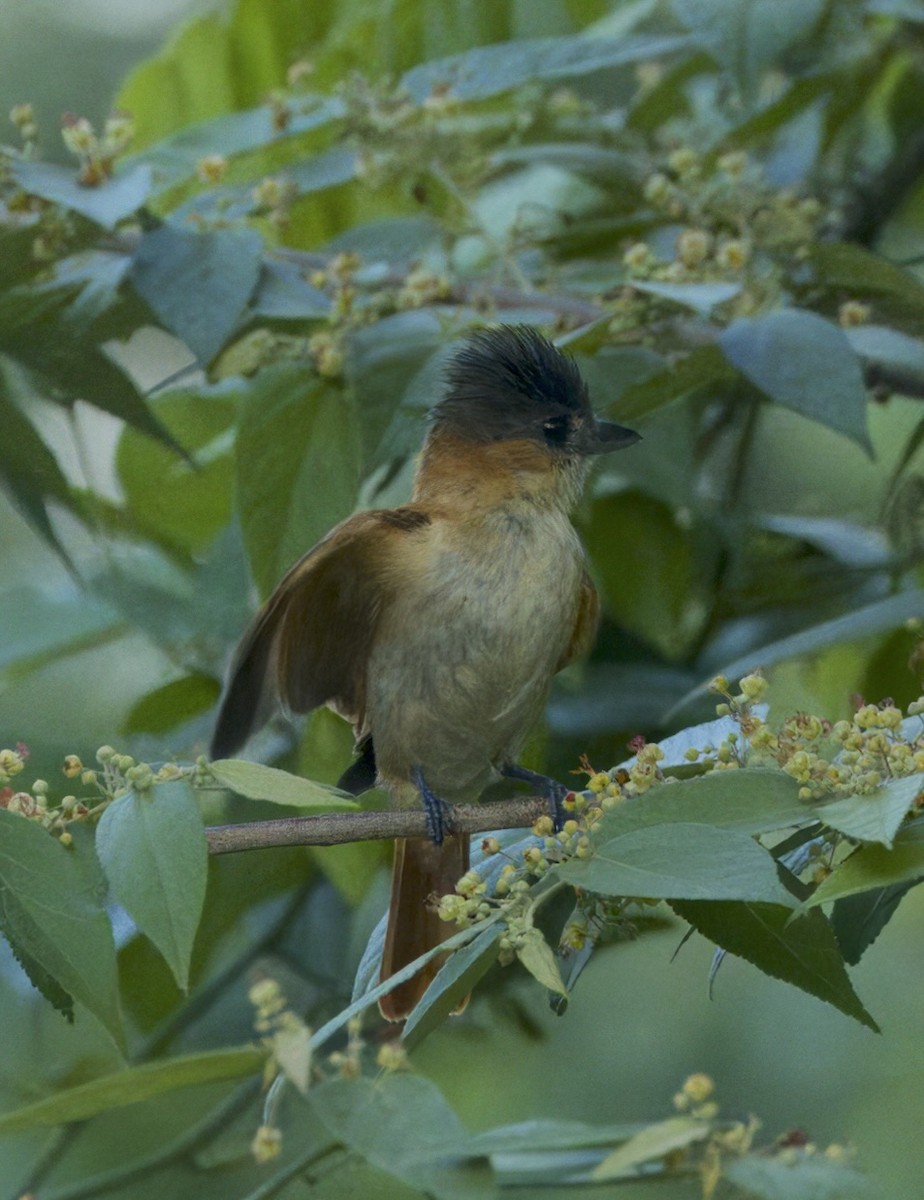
x,y
310,642
586,623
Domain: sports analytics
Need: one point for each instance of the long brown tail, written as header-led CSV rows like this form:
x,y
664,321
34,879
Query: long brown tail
x,y
421,869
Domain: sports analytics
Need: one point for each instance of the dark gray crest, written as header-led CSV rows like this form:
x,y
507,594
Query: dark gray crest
x,y
506,381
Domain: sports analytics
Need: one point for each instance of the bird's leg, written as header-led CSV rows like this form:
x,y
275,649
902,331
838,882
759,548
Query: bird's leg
x,y
554,792
438,812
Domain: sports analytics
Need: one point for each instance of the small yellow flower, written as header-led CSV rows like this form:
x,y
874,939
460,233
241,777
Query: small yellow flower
x,y
211,169
853,312
684,161
72,766
637,257
266,1144
734,163
693,246
698,1088
392,1056
22,114
733,254
657,188
78,135
11,763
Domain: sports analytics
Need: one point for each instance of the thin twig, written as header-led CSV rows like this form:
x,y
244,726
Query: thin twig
x,y
334,829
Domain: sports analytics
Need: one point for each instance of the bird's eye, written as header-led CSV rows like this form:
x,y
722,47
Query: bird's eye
x,y
556,430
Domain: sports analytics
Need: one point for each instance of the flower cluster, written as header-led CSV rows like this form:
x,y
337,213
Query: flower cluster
x,y
848,757
734,226
23,117
96,152
287,1041
722,1141
114,775
829,760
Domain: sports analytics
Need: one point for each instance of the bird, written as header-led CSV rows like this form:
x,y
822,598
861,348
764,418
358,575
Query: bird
x,y
436,627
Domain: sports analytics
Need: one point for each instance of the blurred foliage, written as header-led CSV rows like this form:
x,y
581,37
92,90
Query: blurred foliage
x,y
714,206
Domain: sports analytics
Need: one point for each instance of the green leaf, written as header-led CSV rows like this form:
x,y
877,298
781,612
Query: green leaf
x,y
881,344
583,158
174,158
858,920
198,282
40,627
845,267
297,467
31,476
168,706
748,36
402,1124
758,800
804,362
189,81
679,861
99,275
17,261
666,598
153,852
806,1178
552,1134
385,364
258,782
106,205
873,866
45,983
703,368
650,1145
803,91
64,364
700,297
802,952
537,956
489,70
283,294
452,983
192,500
875,817
133,1085
54,918
878,617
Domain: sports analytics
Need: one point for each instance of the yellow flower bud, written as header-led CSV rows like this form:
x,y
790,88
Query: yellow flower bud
x,y
266,1144
698,1087
853,312
693,246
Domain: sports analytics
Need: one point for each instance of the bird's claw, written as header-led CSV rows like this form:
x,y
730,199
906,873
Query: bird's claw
x,y
437,812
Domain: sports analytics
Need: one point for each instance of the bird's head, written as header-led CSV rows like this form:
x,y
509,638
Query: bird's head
x,y
511,384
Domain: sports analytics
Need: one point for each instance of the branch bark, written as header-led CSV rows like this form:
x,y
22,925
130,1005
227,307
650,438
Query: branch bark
x,y
334,829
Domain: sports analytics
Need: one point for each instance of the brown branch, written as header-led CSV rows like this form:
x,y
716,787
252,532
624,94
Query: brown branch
x,y
334,829
477,295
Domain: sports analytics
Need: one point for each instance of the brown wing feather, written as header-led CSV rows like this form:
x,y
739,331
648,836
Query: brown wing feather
x,y
310,642
586,623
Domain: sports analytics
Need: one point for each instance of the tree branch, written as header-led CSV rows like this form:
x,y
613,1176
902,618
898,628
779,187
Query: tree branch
x,y
334,829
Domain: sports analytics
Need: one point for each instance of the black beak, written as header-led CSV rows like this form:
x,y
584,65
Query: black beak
x,y
602,437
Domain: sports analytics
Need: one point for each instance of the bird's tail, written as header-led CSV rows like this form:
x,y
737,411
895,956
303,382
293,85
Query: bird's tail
x,y
421,870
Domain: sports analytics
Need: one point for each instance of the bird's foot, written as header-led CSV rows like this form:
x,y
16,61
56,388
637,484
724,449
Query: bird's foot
x,y
555,793
438,813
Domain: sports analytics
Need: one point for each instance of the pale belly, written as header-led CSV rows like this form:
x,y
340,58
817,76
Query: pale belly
x,y
463,661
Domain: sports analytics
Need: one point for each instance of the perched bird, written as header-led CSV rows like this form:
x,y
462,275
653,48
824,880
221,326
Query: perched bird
x,y
436,628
